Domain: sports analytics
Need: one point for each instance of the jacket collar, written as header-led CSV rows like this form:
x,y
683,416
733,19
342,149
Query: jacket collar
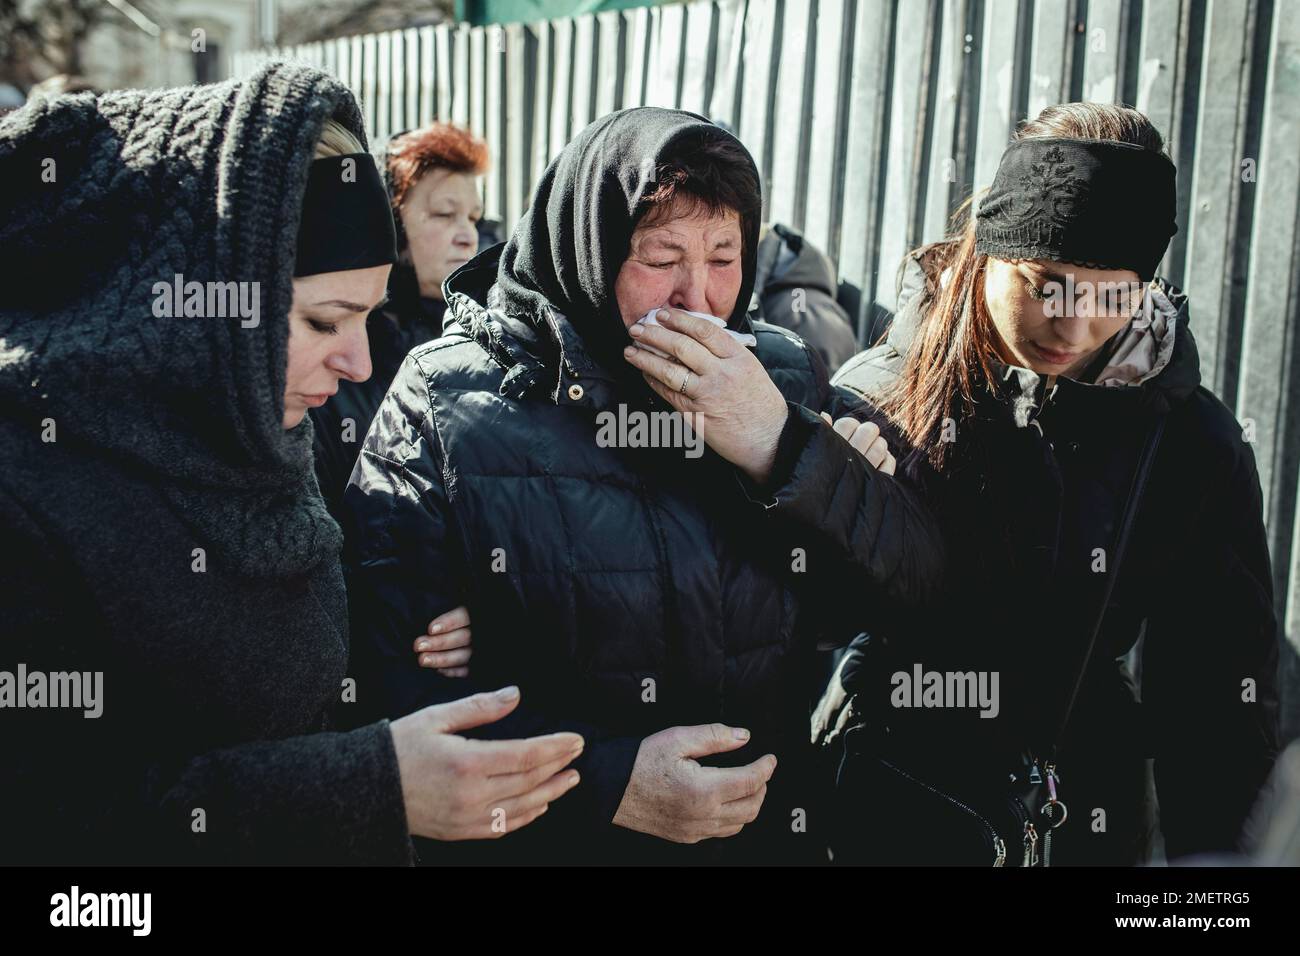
x,y
541,353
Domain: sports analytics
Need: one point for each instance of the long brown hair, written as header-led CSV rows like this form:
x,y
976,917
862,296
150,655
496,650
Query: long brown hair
x,y
957,341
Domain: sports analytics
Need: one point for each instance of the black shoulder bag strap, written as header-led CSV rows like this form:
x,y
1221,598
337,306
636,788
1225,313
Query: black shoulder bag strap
x,y
1121,545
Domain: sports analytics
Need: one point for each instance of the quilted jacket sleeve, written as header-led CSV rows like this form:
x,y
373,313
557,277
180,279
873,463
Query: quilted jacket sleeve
x,y
864,546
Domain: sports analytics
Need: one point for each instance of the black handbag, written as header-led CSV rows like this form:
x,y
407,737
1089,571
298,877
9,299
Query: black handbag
x,y
886,815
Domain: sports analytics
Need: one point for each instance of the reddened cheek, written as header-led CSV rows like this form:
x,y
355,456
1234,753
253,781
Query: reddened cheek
x,y
640,288
724,291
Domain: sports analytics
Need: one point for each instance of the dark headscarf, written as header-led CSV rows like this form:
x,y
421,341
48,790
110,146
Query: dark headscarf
x,y
206,182
567,249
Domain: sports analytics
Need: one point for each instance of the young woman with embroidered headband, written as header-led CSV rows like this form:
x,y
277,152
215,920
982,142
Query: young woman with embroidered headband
x,y
1097,499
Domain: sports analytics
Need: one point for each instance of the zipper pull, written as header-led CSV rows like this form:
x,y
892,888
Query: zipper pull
x,y
1034,776
1054,810
1031,845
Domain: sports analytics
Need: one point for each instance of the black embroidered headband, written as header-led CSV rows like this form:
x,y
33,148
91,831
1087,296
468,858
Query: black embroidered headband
x,y
347,222
1099,203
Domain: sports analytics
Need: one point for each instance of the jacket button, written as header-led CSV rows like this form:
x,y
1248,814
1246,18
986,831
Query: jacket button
x,y
575,393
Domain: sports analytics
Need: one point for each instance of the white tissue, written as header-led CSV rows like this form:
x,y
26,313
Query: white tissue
x,y
649,319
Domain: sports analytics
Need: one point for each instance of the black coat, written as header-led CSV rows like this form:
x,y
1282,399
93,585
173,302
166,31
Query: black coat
x,y
340,425
218,687
158,524
590,571
1038,484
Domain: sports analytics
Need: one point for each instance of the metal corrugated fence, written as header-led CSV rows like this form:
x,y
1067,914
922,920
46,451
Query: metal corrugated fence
x,y
873,119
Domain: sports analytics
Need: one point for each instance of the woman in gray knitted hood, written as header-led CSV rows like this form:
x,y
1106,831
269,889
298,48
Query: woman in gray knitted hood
x,y
197,265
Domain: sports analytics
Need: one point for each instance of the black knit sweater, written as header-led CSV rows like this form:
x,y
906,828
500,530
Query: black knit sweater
x,y
157,523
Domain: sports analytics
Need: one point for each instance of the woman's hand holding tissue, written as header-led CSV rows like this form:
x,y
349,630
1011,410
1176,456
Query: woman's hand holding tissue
x,y
721,388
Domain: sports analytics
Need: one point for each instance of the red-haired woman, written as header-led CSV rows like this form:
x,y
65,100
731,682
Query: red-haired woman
x,y
433,180
1096,498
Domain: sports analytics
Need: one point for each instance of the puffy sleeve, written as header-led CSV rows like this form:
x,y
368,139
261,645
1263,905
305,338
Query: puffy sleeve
x,y
1209,669
871,548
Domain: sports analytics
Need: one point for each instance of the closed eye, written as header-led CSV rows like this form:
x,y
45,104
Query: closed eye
x,y
325,328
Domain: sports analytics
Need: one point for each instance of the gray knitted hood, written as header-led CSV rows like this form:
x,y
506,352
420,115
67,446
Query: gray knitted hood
x,y
101,199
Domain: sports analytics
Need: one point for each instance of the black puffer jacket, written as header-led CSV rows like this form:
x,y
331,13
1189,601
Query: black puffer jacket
x,y
1037,486
340,425
625,590
795,288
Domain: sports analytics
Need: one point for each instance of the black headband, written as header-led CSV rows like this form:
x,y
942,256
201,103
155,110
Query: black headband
x,y
346,219
1098,203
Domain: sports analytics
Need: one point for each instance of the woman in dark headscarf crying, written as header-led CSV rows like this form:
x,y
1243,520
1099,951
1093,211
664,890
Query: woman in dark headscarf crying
x,y
665,604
